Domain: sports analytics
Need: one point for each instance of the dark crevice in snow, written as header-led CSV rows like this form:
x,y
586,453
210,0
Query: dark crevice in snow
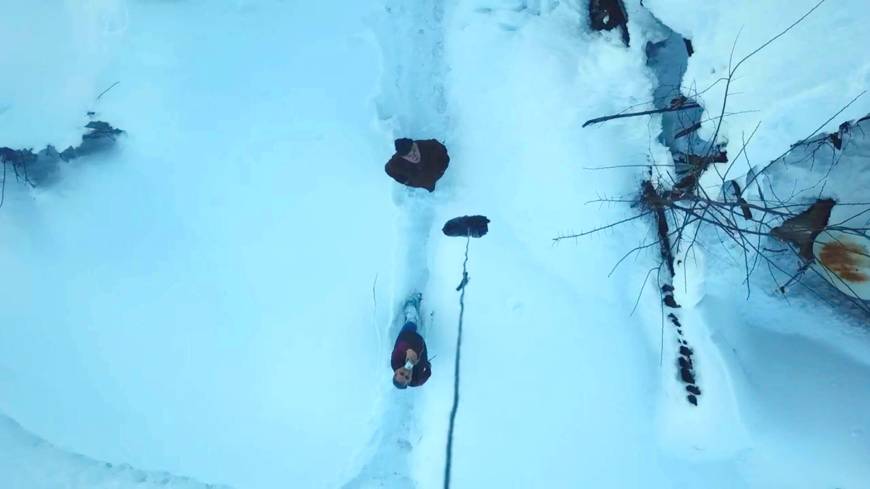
x,y
40,168
668,60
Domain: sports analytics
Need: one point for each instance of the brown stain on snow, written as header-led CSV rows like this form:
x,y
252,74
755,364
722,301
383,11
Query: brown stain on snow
x,y
845,259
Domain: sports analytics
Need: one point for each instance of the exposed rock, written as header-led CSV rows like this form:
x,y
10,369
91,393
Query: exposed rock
x,y
40,168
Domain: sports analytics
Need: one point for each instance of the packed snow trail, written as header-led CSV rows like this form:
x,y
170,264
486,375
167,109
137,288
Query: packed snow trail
x,y
411,104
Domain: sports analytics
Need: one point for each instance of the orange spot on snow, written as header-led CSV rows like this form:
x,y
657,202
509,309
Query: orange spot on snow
x,y
846,260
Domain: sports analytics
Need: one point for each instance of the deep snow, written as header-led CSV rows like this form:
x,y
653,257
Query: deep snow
x,y
216,297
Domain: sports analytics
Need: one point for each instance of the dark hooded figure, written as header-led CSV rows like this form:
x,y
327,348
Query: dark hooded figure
x,y
410,360
418,163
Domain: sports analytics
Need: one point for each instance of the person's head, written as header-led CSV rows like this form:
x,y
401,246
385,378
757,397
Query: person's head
x,y
407,149
402,377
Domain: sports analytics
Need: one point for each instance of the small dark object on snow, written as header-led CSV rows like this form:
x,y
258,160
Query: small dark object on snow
x,y
605,15
463,283
689,49
684,362
667,288
670,302
801,230
836,138
690,167
674,319
692,399
686,351
473,226
100,137
693,389
687,376
733,191
100,129
680,332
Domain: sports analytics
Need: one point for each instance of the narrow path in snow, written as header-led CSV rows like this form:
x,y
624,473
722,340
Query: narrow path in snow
x,y
411,104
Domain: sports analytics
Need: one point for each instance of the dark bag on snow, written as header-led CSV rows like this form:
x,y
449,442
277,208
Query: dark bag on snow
x,y
474,226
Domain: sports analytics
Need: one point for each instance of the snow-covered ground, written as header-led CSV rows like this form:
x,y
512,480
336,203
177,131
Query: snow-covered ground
x,y
199,301
215,298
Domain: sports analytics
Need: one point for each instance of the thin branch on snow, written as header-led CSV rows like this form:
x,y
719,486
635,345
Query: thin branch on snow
x,y
675,108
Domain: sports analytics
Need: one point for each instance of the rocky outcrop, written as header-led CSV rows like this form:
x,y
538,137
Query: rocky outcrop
x,y
40,168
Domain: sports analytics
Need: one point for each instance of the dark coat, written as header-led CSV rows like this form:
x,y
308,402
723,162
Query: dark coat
x,y
433,163
412,340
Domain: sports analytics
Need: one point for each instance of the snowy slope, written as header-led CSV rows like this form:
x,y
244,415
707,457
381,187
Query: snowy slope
x,y
31,463
200,300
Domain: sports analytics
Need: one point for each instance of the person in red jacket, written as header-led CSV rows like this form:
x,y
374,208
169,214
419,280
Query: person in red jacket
x,y
418,163
410,360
